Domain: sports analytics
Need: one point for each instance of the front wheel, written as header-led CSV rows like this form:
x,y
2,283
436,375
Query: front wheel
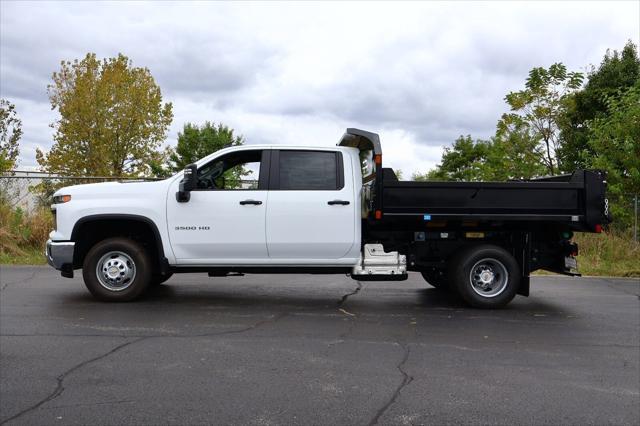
x,y
116,270
485,276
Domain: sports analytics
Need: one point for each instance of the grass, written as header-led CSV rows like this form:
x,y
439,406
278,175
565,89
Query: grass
x,y
609,254
22,235
30,256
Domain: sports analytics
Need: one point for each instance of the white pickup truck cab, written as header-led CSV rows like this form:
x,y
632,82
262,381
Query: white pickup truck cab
x,y
302,210
311,210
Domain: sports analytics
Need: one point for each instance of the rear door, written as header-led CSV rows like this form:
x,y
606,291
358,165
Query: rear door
x,y
311,210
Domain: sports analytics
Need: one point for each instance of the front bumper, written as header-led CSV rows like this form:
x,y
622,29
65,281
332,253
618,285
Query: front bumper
x,y
59,254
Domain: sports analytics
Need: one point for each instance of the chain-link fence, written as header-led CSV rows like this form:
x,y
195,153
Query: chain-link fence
x,y
29,190
625,211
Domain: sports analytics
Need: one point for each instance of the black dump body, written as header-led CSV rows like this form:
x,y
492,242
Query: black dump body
x,y
435,224
575,201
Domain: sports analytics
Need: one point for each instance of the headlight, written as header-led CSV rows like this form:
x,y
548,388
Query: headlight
x,y
59,199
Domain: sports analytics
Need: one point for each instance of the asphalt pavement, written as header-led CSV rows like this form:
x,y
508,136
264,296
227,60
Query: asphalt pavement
x,y
312,349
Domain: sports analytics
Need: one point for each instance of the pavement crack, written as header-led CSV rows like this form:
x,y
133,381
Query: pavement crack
x,y
406,379
270,320
20,281
344,298
92,404
61,378
352,317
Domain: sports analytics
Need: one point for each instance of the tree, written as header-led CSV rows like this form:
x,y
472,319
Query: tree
x,y
617,71
464,161
112,118
539,107
514,153
10,134
196,142
510,154
159,163
614,146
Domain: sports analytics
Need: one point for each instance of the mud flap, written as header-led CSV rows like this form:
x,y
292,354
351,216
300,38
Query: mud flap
x,y
523,289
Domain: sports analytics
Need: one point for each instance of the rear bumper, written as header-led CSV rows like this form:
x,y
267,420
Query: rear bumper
x,y
59,254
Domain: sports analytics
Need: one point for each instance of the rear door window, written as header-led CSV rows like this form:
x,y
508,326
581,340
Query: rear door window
x,y
310,170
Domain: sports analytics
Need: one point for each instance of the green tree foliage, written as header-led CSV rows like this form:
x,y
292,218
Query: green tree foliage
x,y
618,70
464,161
10,134
614,146
159,163
196,142
539,107
112,119
554,126
526,142
514,154
509,155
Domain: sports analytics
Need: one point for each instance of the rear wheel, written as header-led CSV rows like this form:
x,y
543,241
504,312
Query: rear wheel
x,y
485,276
116,270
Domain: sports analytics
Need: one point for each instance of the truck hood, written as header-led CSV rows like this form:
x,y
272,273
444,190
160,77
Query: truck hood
x,y
112,189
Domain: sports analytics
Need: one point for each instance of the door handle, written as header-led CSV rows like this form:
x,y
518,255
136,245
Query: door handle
x,y
340,202
254,202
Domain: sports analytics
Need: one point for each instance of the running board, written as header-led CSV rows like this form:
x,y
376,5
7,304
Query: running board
x,y
377,265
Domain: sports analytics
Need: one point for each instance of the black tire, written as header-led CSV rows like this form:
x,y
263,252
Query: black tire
x,y
126,270
436,278
494,271
157,279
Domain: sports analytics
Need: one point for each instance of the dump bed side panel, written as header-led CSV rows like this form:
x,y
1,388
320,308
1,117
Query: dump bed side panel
x,y
577,200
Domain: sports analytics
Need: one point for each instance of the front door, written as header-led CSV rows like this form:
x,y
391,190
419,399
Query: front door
x,y
224,220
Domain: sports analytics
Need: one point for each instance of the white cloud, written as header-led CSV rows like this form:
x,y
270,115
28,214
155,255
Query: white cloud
x,y
420,74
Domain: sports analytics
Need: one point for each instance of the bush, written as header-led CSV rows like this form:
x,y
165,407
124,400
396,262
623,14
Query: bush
x,y
612,253
22,233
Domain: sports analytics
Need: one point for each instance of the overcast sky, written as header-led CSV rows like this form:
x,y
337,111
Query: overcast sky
x,y
420,74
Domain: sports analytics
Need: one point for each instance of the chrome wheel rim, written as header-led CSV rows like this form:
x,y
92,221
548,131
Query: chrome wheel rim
x,y
488,277
116,271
